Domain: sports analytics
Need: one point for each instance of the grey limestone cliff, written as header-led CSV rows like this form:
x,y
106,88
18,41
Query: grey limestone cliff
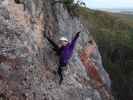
x,y
28,65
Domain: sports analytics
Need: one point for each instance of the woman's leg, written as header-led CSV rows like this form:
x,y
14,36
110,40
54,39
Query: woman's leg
x,y
60,72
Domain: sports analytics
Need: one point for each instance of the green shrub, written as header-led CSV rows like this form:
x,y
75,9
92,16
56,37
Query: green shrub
x,y
73,7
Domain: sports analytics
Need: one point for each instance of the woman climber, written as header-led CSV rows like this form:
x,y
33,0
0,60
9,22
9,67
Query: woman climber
x,y
64,52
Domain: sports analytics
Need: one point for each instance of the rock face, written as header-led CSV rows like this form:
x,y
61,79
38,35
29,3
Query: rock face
x,y
28,65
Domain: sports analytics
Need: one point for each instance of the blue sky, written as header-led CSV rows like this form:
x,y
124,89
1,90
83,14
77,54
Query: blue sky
x,y
109,3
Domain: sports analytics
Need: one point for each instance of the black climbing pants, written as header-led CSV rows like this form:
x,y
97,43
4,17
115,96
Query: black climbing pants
x,y
60,72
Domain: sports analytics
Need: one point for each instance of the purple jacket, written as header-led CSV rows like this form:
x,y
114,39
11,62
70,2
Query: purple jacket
x,y
67,51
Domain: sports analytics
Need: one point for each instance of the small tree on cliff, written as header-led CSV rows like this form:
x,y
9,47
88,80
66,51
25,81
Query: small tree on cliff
x,y
72,6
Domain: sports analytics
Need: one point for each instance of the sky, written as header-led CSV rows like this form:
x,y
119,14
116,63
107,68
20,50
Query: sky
x,y
95,4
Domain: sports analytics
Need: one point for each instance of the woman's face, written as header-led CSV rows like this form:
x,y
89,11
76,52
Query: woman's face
x,y
64,43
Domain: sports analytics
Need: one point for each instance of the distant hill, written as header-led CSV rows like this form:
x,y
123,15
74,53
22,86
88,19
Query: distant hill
x,y
122,11
127,12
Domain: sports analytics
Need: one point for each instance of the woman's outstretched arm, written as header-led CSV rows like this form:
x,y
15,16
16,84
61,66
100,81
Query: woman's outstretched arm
x,y
73,42
55,46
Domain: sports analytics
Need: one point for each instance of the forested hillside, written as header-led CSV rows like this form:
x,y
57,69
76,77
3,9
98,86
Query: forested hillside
x,y
114,36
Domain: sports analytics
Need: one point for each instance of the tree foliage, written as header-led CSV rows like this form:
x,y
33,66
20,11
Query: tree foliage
x,y
72,6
